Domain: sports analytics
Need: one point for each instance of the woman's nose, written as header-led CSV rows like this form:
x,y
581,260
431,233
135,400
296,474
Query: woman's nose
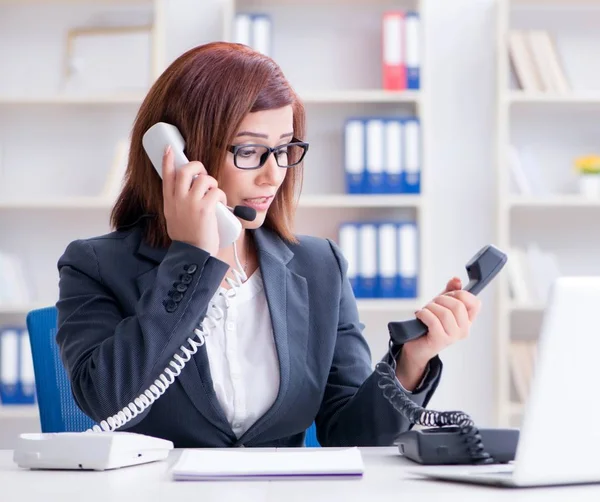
x,y
270,172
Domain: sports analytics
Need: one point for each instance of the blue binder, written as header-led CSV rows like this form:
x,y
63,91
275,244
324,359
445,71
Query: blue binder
x,y
411,171
375,155
388,283
348,241
408,259
26,373
393,156
367,256
9,365
355,156
413,57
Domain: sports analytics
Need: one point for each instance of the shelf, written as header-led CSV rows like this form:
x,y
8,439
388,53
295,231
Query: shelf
x,y
396,200
20,309
553,201
19,411
64,203
527,307
360,96
388,304
309,97
73,99
587,98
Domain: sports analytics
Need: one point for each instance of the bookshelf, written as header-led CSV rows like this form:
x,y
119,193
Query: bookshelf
x,y
340,77
51,194
549,128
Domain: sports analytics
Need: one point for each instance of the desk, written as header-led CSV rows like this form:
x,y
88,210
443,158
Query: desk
x,y
385,479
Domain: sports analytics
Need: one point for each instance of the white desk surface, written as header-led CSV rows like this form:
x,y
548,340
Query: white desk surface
x,y
385,476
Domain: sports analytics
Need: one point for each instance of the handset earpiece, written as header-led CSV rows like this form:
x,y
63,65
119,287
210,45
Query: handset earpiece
x,y
155,140
481,269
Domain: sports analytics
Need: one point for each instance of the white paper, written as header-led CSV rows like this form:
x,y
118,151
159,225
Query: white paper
x,y
211,464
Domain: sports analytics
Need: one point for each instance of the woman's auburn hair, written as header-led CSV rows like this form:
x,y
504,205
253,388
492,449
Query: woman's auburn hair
x,y
206,93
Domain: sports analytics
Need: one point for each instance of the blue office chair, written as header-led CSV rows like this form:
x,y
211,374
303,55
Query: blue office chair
x,y
311,437
58,411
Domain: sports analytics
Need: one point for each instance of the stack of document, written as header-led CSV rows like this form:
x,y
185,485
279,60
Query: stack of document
x,y
209,464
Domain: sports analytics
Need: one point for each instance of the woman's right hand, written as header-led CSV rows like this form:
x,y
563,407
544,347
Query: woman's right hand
x,y
190,204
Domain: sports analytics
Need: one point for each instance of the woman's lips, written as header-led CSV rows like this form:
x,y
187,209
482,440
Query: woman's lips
x,y
259,203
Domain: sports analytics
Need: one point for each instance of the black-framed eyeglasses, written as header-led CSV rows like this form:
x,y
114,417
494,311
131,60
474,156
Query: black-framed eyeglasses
x,y
254,156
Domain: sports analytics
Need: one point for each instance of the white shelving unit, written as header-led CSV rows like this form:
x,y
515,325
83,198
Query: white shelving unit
x,y
549,130
56,146
338,75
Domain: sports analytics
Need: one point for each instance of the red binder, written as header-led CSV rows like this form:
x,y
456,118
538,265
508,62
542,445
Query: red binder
x,y
393,51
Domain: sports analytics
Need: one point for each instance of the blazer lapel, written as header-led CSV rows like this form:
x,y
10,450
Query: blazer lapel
x,y
195,378
287,297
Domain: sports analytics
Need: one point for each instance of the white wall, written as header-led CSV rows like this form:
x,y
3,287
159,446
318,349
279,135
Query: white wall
x,y
461,53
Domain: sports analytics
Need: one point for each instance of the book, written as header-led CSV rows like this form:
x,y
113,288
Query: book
x,y
235,464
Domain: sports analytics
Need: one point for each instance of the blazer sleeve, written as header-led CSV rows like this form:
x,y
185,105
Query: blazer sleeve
x,y
112,359
354,411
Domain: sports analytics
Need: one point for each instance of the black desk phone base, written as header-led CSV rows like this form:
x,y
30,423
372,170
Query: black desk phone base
x,y
444,445
450,437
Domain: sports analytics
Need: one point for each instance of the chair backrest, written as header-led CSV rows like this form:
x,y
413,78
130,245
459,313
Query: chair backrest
x,y
58,410
311,437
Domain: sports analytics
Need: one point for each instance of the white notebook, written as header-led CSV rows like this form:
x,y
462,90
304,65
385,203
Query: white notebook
x,y
209,464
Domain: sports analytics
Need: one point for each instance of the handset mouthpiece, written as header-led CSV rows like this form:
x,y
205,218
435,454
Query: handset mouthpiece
x,y
244,212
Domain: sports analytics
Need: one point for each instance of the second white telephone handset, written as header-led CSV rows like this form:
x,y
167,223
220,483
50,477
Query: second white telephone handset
x,y
155,140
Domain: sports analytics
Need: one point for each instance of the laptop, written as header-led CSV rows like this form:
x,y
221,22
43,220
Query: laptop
x,y
559,440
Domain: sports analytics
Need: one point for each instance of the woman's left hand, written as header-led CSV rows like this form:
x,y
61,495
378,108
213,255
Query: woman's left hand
x,y
448,317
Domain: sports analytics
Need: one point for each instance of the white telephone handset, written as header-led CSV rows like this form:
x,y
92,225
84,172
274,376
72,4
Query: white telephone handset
x,y
101,447
155,140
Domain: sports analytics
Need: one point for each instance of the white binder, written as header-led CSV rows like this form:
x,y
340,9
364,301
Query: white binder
x,y
242,29
412,167
375,156
261,34
368,260
26,369
387,247
349,248
392,164
408,259
9,365
354,156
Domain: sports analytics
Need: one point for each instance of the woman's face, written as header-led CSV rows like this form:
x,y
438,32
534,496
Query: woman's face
x,y
256,188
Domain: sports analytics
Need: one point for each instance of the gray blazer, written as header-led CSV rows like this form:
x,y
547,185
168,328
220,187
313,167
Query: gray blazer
x,y
125,308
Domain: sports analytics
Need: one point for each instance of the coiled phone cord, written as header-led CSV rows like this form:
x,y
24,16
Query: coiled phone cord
x,y
177,363
418,415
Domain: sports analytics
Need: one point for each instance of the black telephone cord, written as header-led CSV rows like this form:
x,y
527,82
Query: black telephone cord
x,y
421,416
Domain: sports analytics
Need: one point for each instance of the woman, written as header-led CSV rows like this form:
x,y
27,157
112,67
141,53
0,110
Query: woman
x,y
277,338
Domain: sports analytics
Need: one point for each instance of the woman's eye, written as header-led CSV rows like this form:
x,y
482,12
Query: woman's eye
x,y
247,152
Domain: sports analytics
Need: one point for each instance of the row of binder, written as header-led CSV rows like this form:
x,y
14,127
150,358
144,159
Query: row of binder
x,y
383,155
401,60
253,30
400,44
382,258
17,378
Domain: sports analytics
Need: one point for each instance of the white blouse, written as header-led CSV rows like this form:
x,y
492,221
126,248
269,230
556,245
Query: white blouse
x,y
242,355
